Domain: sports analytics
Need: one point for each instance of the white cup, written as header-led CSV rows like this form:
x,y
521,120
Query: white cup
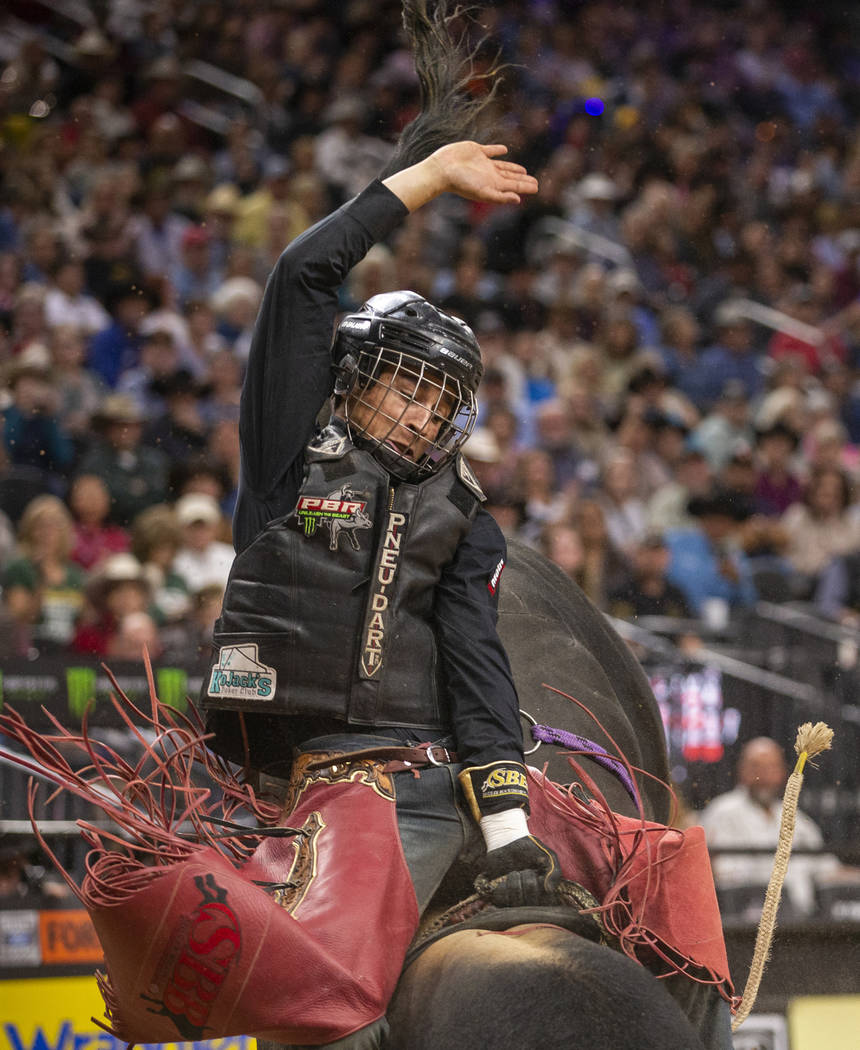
x,y
715,613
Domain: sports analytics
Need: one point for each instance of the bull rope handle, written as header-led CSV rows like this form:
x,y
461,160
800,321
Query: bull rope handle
x,y
811,741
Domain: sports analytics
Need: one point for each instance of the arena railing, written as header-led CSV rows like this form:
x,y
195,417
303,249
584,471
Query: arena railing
x,y
552,231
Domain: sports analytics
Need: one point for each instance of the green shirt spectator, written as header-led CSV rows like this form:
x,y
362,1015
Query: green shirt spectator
x,y
43,588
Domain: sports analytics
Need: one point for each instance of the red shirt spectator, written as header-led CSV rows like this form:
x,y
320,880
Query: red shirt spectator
x,y
803,305
814,357
89,501
116,590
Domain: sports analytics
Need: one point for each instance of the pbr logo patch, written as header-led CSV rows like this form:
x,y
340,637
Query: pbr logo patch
x,y
240,675
339,512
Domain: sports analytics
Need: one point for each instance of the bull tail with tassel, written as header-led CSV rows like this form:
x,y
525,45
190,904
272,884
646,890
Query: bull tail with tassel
x,y
811,741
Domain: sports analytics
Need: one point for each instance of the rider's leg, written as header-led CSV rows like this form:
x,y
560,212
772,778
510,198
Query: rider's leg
x,y
433,829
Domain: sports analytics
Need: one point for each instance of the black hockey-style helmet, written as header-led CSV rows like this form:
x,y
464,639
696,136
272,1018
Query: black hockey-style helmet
x,y
403,342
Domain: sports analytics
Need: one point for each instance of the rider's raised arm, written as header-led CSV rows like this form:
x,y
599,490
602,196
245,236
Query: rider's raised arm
x,y
289,367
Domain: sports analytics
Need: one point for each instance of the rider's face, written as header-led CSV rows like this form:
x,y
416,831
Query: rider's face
x,y
402,411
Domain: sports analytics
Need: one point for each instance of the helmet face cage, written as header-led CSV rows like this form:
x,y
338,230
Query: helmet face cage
x,y
413,417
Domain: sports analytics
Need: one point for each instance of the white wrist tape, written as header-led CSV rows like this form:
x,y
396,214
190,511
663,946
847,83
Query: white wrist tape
x,y
501,828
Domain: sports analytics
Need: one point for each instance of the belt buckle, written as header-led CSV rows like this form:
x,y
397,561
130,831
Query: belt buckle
x,y
431,758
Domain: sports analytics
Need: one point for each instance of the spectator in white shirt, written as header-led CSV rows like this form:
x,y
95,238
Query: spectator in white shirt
x,y
67,304
748,817
345,155
203,559
159,231
625,512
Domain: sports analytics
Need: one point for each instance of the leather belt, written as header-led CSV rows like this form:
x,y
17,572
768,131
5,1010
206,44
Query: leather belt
x,y
394,759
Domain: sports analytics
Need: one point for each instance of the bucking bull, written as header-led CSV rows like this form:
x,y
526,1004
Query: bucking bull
x,y
638,900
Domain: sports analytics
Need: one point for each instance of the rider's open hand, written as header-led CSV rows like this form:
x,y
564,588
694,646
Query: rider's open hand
x,y
523,873
477,173
466,168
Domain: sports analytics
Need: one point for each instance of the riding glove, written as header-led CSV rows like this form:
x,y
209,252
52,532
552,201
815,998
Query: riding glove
x,y
525,872
518,870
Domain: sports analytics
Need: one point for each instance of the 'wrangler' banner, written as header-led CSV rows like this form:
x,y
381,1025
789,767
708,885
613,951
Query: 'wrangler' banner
x,y
55,1013
65,686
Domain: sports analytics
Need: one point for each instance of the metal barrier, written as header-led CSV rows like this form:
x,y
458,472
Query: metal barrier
x,y
780,666
554,231
776,669
223,90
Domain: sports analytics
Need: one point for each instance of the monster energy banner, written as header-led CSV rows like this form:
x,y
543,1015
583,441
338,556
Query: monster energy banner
x,y
66,688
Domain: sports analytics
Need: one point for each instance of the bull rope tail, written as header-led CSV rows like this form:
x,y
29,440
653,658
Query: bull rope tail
x,y
811,741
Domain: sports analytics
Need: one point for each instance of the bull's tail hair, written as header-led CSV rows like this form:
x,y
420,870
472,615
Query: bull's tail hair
x,y
446,69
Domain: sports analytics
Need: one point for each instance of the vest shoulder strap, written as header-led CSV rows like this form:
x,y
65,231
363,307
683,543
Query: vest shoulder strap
x,y
464,473
330,443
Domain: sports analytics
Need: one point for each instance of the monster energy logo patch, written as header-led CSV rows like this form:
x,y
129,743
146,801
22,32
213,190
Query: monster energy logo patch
x,y
81,688
171,684
240,675
68,689
83,685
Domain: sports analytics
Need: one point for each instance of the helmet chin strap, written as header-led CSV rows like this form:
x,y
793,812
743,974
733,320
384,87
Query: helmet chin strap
x,y
400,467
345,376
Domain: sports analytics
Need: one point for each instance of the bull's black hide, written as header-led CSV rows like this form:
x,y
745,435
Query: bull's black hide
x,y
532,989
555,635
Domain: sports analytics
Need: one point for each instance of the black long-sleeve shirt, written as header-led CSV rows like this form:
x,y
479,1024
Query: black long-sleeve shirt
x,y
288,379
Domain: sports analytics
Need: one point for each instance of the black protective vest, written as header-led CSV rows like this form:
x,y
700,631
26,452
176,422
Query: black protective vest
x,y
328,612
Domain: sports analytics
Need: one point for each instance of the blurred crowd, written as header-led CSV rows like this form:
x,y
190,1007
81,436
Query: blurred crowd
x,y
671,329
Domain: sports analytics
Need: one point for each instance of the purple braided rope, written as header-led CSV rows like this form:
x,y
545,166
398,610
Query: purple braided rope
x,y
573,742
